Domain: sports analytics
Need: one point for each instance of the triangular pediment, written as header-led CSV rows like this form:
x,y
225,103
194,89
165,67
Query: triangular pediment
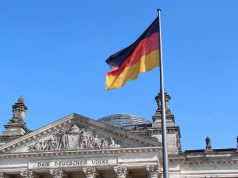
x,y
76,132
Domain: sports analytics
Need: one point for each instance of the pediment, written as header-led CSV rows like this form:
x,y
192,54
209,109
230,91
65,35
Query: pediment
x,y
76,132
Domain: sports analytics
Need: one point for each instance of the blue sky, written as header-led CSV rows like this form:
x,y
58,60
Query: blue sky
x,y
53,53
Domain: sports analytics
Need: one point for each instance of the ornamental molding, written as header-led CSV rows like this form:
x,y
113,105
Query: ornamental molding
x,y
58,173
209,162
4,175
100,152
120,171
90,172
184,161
28,174
152,170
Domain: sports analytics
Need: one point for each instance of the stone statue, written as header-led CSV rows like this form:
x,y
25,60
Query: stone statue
x,y
167,100
208,143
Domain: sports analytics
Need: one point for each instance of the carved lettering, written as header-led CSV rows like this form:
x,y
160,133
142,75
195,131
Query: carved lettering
x,y
100,161
73,163
70,163
46,164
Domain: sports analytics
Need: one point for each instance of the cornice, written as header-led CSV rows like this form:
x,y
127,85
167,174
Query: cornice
x,y
107,152
209,162
204,159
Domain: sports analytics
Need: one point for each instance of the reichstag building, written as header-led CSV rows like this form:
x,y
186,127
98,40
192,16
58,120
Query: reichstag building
x,y
116,146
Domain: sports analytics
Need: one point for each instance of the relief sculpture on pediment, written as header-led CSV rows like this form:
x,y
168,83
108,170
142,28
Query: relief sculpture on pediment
x,y
73,138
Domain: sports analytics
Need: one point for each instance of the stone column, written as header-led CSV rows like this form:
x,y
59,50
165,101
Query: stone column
x,y
58,173
120,171
153,171
3,175
28,174
90,172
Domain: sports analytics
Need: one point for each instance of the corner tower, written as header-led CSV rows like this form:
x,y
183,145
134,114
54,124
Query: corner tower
x,y
16,126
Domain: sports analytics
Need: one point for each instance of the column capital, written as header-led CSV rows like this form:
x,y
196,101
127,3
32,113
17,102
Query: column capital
x,y
90,172
58,173
120,171
28,174
3,175
152,170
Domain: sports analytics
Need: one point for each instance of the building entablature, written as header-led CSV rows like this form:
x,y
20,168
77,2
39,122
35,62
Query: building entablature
x,y
203,157
101,152
136,161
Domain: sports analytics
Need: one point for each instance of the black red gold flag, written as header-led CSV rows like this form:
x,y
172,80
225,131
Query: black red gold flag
x,y
141,56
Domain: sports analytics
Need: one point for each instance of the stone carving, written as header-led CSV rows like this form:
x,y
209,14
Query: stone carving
x,y
3,175
167,100
153,171
28,174
208,143
90,172
179,145
57,173
73,138
19,109
120,171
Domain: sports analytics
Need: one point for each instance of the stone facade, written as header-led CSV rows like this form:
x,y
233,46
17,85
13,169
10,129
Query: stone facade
x,y
79,147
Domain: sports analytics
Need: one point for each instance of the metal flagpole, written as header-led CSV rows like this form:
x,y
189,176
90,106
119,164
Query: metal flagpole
x,y
164,130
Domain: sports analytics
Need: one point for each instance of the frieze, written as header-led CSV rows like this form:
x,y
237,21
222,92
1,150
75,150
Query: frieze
x,y
71,163
73,138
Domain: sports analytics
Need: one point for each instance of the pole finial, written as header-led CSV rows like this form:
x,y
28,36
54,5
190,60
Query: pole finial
x,y
158,10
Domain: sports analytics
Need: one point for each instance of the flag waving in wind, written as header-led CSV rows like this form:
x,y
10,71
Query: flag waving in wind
x,y
141,56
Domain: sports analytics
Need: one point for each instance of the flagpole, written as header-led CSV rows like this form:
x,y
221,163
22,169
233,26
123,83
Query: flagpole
x,y
164,129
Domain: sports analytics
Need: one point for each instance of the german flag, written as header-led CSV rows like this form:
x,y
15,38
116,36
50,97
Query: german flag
x,y
141,56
